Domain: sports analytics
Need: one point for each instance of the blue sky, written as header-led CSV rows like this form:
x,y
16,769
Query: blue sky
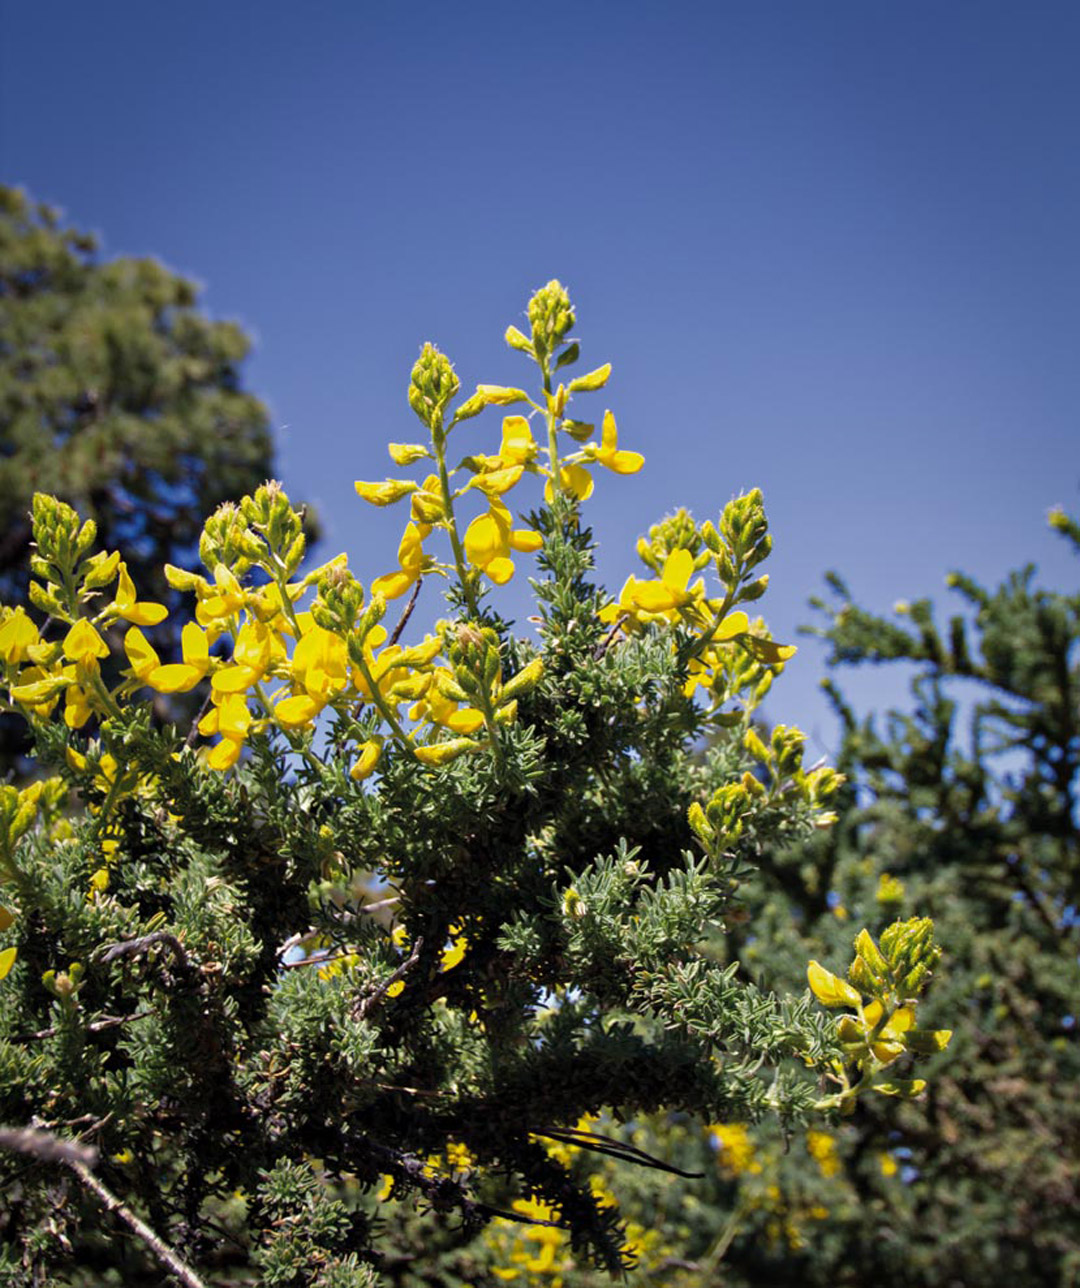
x,y
830,248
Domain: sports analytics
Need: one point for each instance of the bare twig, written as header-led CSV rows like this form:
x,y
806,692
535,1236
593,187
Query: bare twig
x,y
143,944
193,732
598,1144
406,614
609,638
366,1004
168,1257
45,1146
95,1026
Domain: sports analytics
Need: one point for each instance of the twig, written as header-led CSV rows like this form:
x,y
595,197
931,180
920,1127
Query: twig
x,y
406,614
366,1004
608,639
45,1146
95,1026
193,732
143,944
170,1259
598,1144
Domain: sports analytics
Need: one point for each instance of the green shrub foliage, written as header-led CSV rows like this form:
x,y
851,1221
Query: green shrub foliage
x,y
363,944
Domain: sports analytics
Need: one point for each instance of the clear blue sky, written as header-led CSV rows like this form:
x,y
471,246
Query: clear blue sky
x,y
830,248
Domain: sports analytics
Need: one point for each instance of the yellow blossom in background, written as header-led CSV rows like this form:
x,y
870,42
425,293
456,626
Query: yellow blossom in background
x,y
821,1146
734,1147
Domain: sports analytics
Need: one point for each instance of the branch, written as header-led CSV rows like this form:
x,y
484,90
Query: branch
x,y
95,1026
598,1144
169,1259
46,1147
366,1004
143,944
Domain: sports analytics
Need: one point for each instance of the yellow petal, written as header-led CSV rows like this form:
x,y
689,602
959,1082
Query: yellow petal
x,y
486,538
296,711
441,753
830,989
525,540
174,677
225,754
385,493
366,760
498,481
17,635
83,642
394,584
7,960
732,625
500,570
140,653
623,462
466,720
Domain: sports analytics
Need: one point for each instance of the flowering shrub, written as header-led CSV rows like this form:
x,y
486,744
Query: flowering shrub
x,y
397,908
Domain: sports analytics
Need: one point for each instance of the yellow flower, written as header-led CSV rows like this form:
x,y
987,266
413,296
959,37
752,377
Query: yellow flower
x,y
230,718
125,605
83,644
385,493
518,446
77,705
366,760
17,635
497,482
736,1149
672,590
490,538
573,479
174,677
253,654
141,654
221,600
821,1146
608,454
319,666
410,564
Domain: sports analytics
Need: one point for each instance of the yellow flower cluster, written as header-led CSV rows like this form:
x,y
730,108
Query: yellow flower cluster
x,y
486,546
881,991
726,654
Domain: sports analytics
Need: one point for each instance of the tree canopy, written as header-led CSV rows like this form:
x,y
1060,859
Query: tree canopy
x,y
117,395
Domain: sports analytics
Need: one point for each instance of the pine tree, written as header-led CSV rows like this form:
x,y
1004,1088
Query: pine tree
x,y
118,396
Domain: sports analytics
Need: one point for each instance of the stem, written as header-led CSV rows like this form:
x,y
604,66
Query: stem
x,y
438,441
380,704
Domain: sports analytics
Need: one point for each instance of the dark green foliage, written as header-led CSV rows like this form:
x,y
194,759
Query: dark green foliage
x,y
963,808
117,395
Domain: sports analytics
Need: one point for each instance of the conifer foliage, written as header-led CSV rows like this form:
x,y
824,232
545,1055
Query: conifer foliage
x,y
116,395
961,807
400,910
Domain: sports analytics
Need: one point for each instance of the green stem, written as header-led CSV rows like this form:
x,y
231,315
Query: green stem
x,y
438,442
381,706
